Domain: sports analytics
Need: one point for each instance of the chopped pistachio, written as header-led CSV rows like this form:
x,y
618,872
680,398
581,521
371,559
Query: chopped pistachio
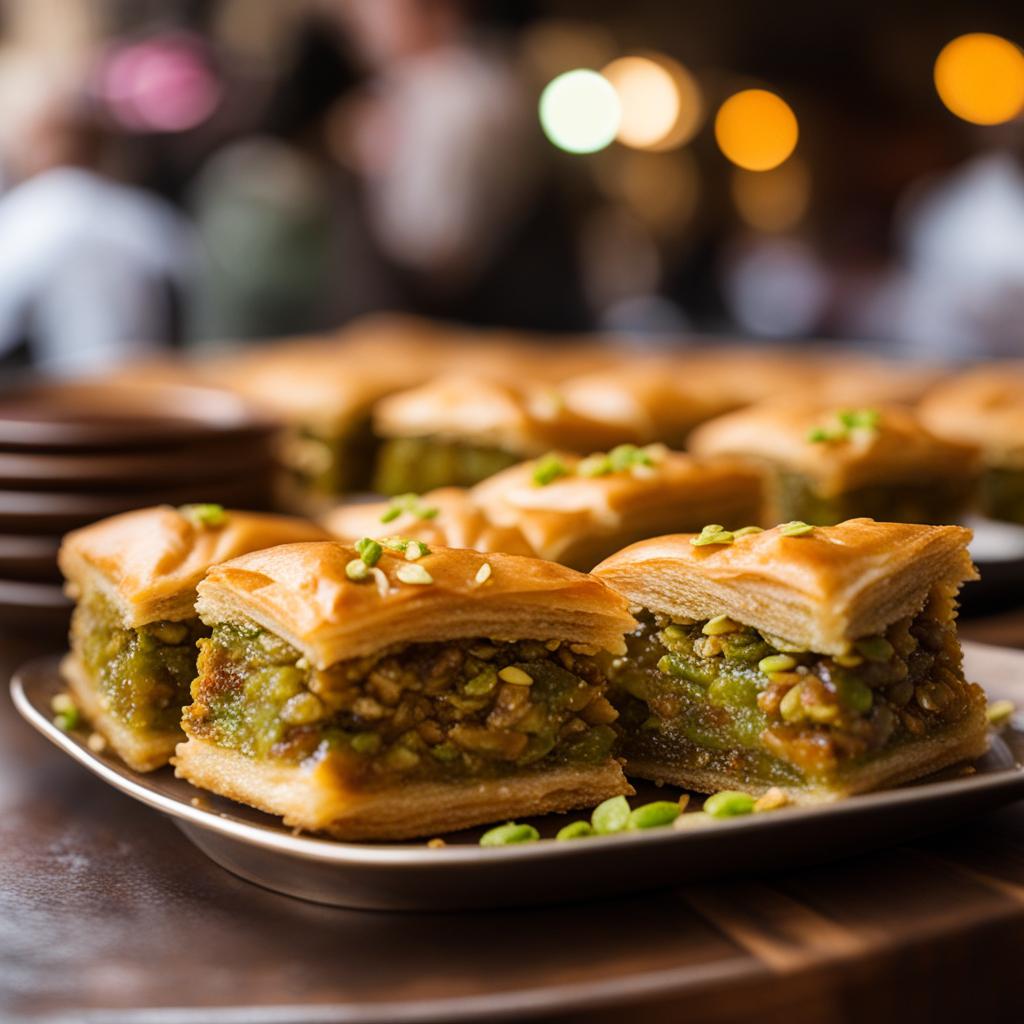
x,y
575,830
548,469
712,534
366,742
516,676
411,503
720,625
413,572
62,704
795,529
205,514
67,720
848,660
506,835
746,531
482,683
730,803
776,663
369,550
846,420
653,815
791,706
598,464
357,570
1000,711
875,648
610,816
483,574
416,549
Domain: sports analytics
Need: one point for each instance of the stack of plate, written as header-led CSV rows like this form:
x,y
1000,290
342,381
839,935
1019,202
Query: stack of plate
x,y
71,453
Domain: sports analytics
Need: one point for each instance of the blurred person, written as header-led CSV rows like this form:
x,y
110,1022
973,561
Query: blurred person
x,y
90,268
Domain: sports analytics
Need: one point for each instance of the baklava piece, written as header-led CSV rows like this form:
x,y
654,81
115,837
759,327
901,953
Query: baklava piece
x,y
826,464
448,516
985,407
376,692
579,510
134,628
459,430
821,660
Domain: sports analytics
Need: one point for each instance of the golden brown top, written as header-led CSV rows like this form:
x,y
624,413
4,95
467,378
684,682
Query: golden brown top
x,y
148,562
984,407
820,587
839,449
305,594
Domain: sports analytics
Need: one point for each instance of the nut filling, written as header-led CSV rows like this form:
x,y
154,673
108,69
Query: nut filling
x,y
143,674
721,695
420,464
465,709
330,464
1002,494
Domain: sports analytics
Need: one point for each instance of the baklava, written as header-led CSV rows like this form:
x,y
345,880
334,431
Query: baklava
x,y
459,430
579,510
985,407
134,628
821,660
376,692
448,516
825,464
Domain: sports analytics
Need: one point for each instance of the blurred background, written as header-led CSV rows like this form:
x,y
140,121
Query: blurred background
x,y
174,173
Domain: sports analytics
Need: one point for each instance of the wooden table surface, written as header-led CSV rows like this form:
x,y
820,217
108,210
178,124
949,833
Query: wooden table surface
x,y
107,914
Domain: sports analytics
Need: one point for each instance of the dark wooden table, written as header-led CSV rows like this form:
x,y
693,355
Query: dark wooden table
x,y
107,914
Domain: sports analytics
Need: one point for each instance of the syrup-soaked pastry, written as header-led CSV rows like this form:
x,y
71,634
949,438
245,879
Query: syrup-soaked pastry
x,y
826,464
134,628
378,692
821,660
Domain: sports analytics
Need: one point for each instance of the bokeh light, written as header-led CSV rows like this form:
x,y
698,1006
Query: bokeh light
x,y
662,105
756,129
980,78
772,201
580,111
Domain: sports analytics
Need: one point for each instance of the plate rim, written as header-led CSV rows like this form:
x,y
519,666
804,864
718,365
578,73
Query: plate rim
x,y
394,855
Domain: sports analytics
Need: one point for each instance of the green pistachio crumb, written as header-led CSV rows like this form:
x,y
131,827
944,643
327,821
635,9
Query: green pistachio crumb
x,y
598,464
515,676
366,742
746,531
795,529
411,503
445,752
509,833
482,683
548,469
720,625
369,551
654,815
574,830
610,816
712,534
357,570
875,648
416,549
204,514
413,572
776,663
730,803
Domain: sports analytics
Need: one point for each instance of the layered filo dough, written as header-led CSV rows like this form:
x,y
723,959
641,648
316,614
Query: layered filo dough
x,y
134,628
578,511
821,661
985,407
825,463
460,429
419,697
447,516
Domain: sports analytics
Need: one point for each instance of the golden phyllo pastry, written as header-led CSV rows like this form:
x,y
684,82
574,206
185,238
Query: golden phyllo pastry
x,y
134,629
822,660
577,510
383,692
985,407
448,516
826,464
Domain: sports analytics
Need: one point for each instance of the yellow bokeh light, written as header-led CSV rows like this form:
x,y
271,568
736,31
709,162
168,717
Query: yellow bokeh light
x,y
580,112
773,201
662,105
980,78
756,129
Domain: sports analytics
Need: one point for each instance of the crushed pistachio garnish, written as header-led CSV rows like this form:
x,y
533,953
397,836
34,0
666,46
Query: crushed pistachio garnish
x,y
483,574
509,833
65,712
795,529
712,534
846,421
413,572
729,803
623,458
357,570
204,514
548,469
411,503
1000,711
369,550
416,549
746,531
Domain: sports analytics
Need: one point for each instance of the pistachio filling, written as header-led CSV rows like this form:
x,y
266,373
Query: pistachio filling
x,y
419,464
143,674
934,501
1002,493
331,464
717,694
465,710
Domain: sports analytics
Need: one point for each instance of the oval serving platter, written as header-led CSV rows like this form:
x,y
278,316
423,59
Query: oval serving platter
x,y
460,874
